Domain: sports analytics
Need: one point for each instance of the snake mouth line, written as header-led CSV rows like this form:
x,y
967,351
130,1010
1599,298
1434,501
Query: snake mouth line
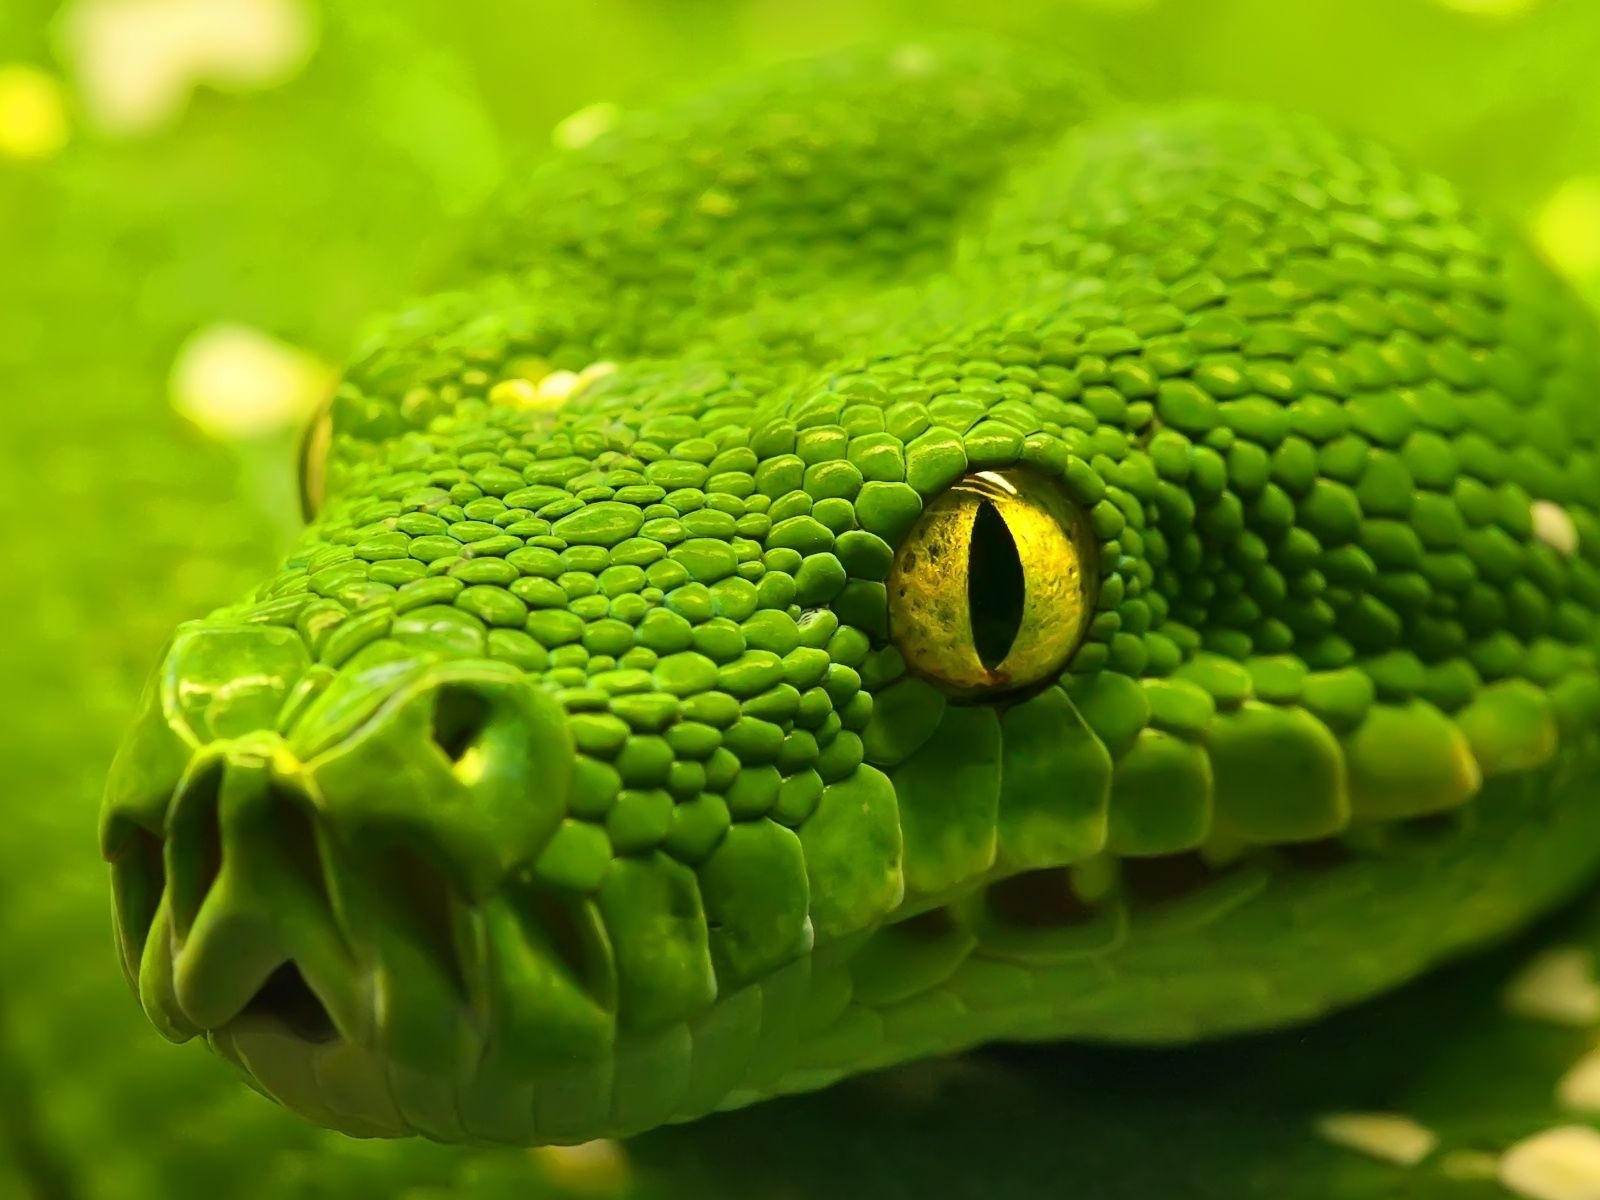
x,y
1042,915
1048,916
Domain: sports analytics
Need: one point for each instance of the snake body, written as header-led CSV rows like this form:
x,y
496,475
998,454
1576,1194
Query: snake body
x,y
889,554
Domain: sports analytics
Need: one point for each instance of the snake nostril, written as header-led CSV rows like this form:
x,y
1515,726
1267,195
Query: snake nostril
x,y
460,715
288,998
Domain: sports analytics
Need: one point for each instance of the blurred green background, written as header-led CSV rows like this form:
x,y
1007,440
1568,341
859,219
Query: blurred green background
x,y
206,198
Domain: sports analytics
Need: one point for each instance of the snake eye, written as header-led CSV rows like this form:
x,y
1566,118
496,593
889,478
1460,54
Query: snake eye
x,y
314,461
991,589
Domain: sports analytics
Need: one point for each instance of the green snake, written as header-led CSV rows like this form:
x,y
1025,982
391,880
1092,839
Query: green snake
x,y
890,554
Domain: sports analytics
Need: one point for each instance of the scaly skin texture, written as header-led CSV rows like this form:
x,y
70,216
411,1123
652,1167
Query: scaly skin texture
x,y
576,774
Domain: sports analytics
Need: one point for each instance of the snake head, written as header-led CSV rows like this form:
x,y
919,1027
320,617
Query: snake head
x,y
871,565
266,805
460,836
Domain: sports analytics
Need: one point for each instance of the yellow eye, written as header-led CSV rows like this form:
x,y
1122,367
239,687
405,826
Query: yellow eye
x,y
992,588
314,461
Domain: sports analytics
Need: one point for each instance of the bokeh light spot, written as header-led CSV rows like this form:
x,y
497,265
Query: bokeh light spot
x,y
1503,9
1567,227
138,61
33,113
584,126
597,1168
237,383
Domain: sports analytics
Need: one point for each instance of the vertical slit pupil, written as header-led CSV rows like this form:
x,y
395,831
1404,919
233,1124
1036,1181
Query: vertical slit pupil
x,y
996,586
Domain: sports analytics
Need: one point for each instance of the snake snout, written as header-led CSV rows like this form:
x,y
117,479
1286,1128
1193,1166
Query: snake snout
x,y
297,851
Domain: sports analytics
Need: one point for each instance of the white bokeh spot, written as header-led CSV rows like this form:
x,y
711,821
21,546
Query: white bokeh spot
x,y
1553,526
1392,1137
1557,985
138,61
1579,1088
1558,1164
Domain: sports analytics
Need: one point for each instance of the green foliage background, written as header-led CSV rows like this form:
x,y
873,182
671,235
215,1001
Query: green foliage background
x,y
306,208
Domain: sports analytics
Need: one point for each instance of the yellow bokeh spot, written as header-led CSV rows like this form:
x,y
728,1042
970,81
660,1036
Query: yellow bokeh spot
x,y
33,113
1503,9
597,1168
514,393
1567,227
534,387
237,383
584,126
